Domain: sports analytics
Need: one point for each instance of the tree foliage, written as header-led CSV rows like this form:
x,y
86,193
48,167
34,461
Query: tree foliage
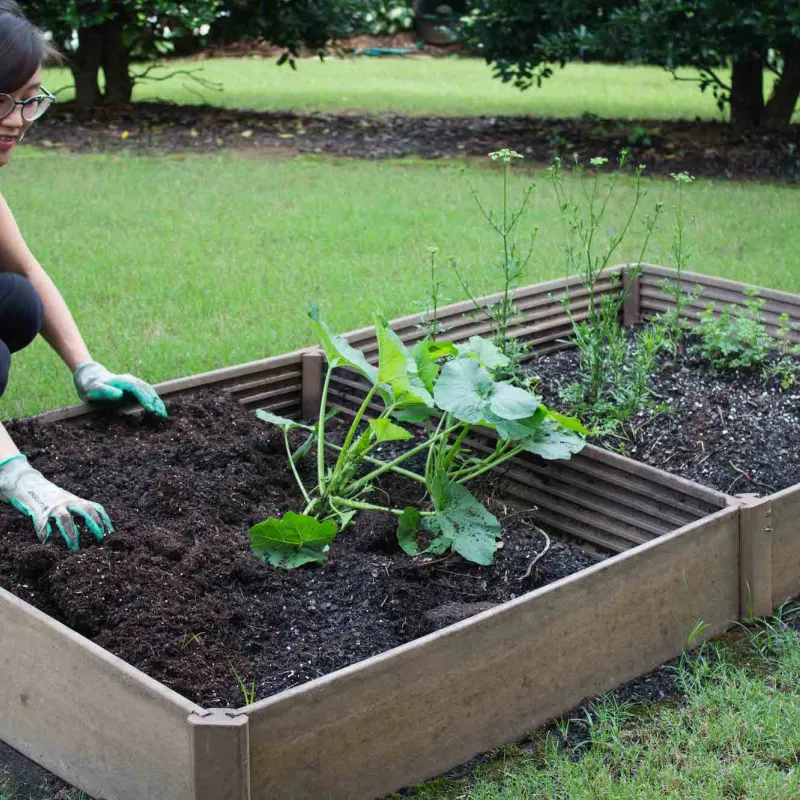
x,y
523,41
111,34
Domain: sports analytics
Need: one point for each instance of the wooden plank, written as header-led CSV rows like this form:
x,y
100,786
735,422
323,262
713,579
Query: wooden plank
x,y
654,300
713,498
721,283
755,558
423,708
782,513
85,714
228,378
632,308
457,310
220,761
313,364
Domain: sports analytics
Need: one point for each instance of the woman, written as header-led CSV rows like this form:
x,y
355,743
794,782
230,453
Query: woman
x,y
31,304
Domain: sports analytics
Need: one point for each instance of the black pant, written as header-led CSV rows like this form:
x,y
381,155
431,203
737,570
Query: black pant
x,y
21,318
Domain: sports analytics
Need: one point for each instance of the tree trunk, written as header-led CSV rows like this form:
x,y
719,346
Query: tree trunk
x,y
747,91
116,64
86,65
780,106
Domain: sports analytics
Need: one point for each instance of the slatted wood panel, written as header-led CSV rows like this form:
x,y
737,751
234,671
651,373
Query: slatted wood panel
x,y
272,383
781,519
542,321
428,706
722,292
85,714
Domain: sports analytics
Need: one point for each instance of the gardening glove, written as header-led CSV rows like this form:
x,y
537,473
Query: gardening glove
x,y
32,494
96,384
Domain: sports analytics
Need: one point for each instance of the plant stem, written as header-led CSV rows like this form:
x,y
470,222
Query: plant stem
x,y
352,432
489,465
400,459
323,404
433,447
399,470
362,506
293,467
453,451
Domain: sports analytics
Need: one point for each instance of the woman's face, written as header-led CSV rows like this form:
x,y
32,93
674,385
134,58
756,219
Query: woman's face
x,y
13,127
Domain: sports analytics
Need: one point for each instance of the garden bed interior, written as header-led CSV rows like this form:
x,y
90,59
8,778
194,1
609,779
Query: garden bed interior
x,y
680,553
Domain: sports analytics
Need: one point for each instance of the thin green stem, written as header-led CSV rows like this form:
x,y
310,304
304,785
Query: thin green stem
x,y
399,460
352,432
323,405
362,506
293,467
456,446
432,447
488,466
310,507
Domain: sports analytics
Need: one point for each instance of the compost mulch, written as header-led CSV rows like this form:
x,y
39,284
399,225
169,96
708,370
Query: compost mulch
x,y
176,591
733,431
713,149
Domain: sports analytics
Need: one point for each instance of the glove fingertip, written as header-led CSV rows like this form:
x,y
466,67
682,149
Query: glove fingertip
x,y
43,533
72,543
106,519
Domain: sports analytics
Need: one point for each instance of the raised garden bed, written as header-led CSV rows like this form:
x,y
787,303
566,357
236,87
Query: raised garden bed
x,y
680,554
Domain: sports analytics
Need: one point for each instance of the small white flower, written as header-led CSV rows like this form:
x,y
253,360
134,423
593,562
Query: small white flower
x,y
598,161
505,155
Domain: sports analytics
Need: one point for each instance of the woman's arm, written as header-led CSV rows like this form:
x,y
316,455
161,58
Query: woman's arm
x,y
93,381
59,327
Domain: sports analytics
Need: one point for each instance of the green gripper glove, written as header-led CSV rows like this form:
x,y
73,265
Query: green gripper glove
x,y
95,384
46,504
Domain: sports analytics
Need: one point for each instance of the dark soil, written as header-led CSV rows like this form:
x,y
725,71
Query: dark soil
x,y
732,431
176,591
701,148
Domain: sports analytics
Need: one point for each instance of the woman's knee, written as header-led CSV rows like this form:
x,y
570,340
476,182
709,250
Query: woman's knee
x,y
21,311
5,367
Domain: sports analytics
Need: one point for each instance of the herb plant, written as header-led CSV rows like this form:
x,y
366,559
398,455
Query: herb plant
x,y
454,391
784,368
674,320
734,338
614,370
513,264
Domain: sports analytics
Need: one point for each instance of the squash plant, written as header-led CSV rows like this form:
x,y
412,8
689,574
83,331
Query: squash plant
x,y
450,391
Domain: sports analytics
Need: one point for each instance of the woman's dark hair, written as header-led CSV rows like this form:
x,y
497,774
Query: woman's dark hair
x,y
22,47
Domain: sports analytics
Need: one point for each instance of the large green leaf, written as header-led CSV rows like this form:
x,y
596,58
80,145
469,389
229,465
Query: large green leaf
x,y
486,353
338,350
511,402
293,540
472,530
425,360
516,429
570,423
397,367
468,391
460,523
408,530
551,441
386,431
274,419
414,413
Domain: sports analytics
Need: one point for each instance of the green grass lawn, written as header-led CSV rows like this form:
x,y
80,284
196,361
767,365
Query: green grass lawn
x,y
737,735
177,265
428,86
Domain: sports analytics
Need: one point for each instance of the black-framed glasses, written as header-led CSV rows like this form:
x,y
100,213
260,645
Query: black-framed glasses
x,y
32,108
